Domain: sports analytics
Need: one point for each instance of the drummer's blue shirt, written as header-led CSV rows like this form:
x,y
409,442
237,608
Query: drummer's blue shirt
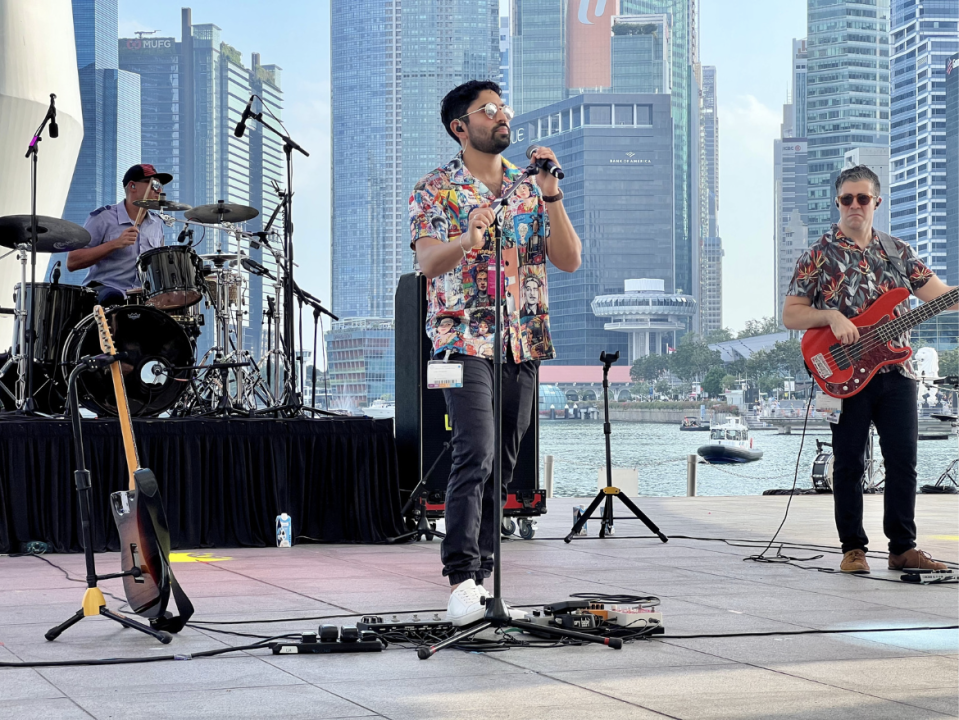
x,y
119,269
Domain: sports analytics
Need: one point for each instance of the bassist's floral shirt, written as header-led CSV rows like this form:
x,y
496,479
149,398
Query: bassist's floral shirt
x,y
836,275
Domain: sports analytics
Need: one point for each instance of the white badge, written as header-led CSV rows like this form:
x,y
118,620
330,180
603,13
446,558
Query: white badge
x,y
830,405
442,375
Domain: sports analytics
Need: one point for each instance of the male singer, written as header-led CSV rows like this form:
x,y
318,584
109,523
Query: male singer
x,y
453,229
116,244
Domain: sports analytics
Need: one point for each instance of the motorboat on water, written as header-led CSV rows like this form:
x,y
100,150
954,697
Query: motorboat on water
x,y
690,423
730,443
380,409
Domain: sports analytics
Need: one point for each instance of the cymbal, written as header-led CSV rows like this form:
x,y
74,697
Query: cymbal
x,y
162,205
218,258
222,212
53,234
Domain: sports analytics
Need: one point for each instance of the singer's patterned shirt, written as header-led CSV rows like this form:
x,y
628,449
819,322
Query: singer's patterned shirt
x,y
836,275
460,303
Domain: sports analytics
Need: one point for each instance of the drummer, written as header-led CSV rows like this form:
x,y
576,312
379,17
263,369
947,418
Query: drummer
x,y
116,244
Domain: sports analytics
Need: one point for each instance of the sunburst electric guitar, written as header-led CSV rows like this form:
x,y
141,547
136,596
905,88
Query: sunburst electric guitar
x,y
844,370
141,520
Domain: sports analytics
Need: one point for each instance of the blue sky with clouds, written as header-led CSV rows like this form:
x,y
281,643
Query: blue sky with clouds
x,y
749,41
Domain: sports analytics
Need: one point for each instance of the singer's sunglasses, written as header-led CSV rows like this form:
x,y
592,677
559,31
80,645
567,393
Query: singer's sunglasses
x,y
491,109
860,198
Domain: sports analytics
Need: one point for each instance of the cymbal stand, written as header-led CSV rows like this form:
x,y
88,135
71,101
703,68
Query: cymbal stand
x,y
19,358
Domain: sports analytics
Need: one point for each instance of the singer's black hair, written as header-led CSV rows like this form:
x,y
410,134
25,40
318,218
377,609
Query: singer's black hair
x,y
458,100
859,172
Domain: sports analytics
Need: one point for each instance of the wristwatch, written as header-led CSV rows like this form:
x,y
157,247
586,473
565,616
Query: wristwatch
x,y
553,198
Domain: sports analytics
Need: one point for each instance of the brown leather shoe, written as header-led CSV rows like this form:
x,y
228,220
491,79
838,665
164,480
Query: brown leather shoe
x,y
915,559
854,561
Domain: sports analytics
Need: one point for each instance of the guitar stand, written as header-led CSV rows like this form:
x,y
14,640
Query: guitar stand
x,y
93,601
610,491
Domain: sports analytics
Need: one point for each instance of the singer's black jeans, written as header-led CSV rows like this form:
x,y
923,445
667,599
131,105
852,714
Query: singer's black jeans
x,y
889,401
470,513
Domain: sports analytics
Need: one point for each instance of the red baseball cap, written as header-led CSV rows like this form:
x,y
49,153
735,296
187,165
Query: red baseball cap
x,y
144,171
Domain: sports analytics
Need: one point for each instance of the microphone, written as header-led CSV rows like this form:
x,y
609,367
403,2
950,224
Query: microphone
x,y
185,233
52,114
247,114
548,165
55,275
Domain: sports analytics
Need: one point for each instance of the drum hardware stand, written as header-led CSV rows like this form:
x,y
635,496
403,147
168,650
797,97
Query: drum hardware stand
x,y
610,491
93,601
497,613
948,384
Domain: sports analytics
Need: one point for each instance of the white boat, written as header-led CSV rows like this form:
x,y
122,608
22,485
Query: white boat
x,y
380,409
730,443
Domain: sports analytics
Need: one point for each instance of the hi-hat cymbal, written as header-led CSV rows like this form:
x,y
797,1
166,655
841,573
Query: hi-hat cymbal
x,y
222,212
168,205
53,234
219,258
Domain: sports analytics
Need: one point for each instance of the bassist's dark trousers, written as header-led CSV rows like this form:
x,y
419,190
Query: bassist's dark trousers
x,y
889,401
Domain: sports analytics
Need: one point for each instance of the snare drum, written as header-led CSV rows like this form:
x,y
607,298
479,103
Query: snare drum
x,y
170,277
822,468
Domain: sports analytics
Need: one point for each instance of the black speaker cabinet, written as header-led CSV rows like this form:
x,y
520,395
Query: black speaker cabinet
x,y
422,426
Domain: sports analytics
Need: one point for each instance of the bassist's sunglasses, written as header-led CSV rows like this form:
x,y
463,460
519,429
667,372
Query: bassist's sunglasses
x,y
860,198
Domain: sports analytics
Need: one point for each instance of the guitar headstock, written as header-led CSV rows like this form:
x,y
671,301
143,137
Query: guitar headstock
x,y
106,339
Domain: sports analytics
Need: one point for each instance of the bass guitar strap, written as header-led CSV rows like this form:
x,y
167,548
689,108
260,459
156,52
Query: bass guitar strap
x,y
889,247
171,623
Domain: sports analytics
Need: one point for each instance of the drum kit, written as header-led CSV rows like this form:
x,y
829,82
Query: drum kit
x,y
157,328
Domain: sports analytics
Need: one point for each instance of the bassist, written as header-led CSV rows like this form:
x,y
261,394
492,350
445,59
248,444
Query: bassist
x,y
836,279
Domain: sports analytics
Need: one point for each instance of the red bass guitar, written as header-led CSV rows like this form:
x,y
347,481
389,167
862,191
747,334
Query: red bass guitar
x,y
844,370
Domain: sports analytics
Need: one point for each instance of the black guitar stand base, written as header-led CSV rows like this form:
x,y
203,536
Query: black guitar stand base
x,y
610,491
415,507
93,601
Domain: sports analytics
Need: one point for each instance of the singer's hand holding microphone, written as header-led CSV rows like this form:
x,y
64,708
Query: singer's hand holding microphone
x,y
551,173
480,220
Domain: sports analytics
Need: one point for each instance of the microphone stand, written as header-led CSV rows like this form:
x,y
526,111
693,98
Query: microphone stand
x,y
292,400
497,614
33,150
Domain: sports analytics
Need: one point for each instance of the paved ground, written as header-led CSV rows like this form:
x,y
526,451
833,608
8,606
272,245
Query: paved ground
x,y
705,587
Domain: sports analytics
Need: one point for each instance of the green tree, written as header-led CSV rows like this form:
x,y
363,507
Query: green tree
x,y
949,362
713,382
730,382
648,368
663,387
764,326
692,358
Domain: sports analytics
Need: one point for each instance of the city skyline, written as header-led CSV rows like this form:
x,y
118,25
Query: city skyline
x,y
754,85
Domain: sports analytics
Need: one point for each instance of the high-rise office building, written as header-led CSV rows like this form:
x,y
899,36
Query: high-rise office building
x,y
790,213
504,57
616,150
711,254
640,54
537,53
798,96
877,160
924,34
110,101
847,98
952,170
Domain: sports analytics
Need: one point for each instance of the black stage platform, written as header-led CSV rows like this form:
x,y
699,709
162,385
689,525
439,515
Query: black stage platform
x,y
223,480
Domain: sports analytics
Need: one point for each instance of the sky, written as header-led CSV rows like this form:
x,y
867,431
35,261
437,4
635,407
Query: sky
x,y
749,42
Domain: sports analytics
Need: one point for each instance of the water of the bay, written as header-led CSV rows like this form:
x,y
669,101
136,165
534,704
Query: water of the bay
x,y
659,452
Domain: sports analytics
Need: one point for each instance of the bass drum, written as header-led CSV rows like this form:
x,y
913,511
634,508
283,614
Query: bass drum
x,y
154,345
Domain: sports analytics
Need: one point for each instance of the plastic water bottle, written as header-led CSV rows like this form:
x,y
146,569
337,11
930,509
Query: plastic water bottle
x,y
577,514
284,531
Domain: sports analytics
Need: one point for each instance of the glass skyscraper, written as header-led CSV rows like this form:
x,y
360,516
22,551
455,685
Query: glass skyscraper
x,y
847,98
616,150
799,59
110,101
711,281
640,53
537,53
924,34
951,67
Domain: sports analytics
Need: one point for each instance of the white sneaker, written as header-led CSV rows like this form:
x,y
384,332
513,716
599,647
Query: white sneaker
x,y
483,591
465,607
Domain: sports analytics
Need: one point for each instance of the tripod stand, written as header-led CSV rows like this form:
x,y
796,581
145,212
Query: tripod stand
x,y
610,491
497,613
93,600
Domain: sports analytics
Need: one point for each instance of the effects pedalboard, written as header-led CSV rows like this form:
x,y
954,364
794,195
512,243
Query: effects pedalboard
x,y
930,577
331,639
586,615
